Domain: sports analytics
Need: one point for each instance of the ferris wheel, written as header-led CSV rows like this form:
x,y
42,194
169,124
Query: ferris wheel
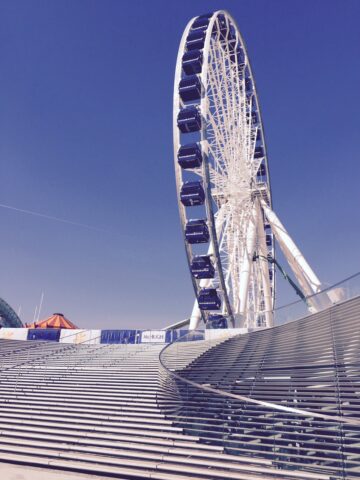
x,y
223,183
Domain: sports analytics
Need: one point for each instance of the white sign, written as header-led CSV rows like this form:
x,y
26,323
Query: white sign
x,y
153,336
80,336
14,333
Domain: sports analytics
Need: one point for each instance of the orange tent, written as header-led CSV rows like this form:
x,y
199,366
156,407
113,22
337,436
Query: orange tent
x,y
57,320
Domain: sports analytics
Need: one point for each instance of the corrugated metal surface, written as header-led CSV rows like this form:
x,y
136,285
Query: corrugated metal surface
x,y
290,394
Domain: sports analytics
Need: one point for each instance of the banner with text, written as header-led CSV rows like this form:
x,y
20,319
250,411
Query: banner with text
x,y
153,336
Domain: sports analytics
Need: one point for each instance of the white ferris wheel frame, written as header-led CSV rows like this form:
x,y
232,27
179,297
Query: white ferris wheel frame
x,y
216,224
244,277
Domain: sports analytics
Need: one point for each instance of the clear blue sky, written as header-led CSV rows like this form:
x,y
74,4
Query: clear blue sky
x,y
86,135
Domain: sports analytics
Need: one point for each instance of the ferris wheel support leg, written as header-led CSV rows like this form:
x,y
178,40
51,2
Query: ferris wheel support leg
x,y
195,318
246,266
269,317
305,275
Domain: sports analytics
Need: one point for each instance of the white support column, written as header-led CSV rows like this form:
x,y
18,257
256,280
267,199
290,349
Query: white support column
x,y
264,265
306,277
195,316
246,264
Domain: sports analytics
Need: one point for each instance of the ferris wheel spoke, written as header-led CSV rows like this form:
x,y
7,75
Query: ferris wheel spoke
x,y
218,180
220,136
219,168
263,262
228,110
217,82
218,87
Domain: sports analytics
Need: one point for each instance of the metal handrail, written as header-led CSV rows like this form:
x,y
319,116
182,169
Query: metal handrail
x,y
324,290
306,413
283,408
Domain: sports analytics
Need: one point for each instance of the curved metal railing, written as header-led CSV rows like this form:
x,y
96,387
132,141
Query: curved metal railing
x,y
290,393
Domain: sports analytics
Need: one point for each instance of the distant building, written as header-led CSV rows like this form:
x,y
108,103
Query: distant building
x,y
8,317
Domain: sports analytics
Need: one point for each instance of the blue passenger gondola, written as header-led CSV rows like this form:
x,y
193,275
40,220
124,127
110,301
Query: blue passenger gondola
x,y
202,267
262,170
231,37
216,321
254,117
208,299
189,119
202,22
268,240
222,25
190,156
259,152
192,194
190,88
195,40
196,231
192,62
238,55
248,86
206,15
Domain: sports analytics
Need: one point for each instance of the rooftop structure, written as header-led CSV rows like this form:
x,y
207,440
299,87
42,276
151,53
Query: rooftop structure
x,y
56,320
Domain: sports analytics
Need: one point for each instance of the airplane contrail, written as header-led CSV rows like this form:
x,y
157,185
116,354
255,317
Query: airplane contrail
x,y
50,217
